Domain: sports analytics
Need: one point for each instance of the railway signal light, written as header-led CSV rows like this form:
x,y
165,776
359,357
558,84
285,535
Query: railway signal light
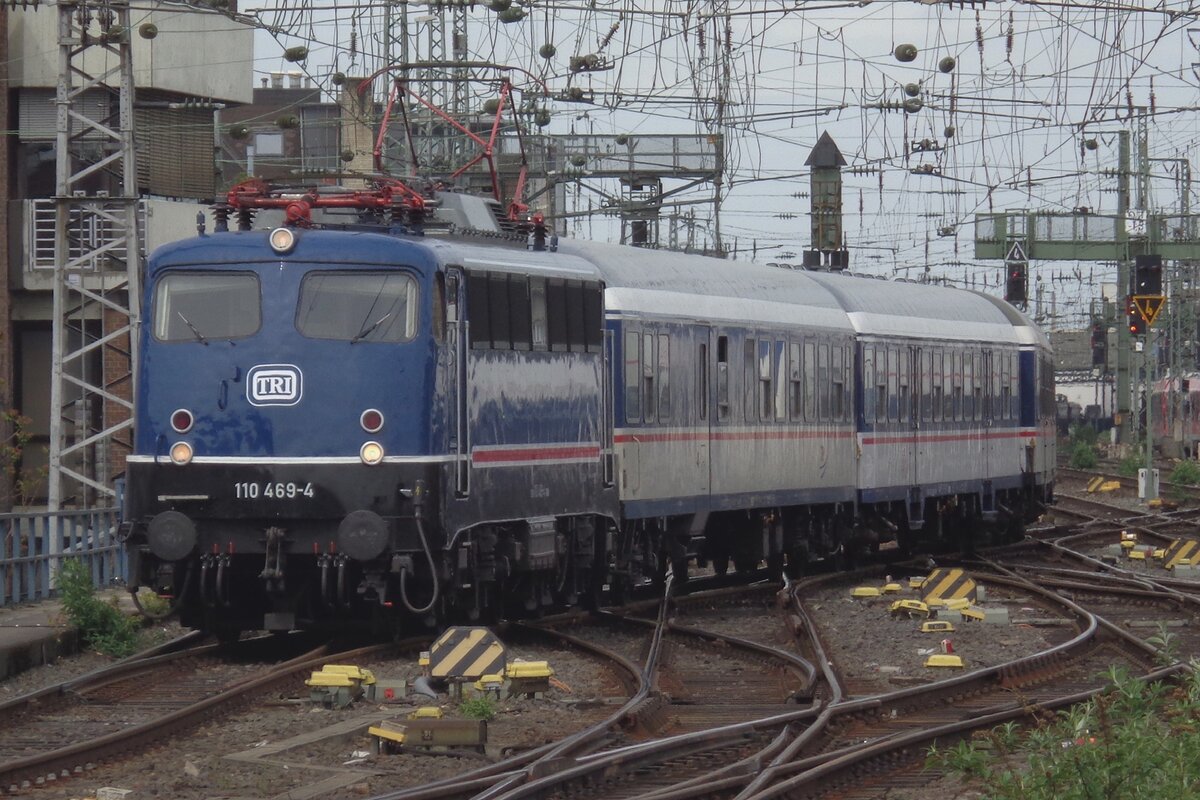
x,y
1147,275
1016,288
1137,325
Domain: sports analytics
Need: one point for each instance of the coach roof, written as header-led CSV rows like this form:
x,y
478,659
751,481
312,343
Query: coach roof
x,y
687,286
898,308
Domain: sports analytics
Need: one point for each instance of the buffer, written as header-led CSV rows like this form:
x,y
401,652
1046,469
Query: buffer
x,y
947,584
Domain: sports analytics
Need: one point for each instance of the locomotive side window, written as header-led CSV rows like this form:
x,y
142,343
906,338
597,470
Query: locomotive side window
x,y
576,342
520,315
198,306
633,376
556,310
498,306
537,304
593,317
358,306
477,307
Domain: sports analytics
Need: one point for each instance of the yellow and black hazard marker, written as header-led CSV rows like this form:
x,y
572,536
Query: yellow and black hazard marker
x,y
1180,551
463,652
947,584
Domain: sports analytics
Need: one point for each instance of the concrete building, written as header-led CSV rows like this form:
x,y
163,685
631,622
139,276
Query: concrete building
x,y
189,64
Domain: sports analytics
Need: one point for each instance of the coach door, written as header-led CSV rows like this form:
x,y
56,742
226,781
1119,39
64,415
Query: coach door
x,y
456,376
990,381
702,397
912,405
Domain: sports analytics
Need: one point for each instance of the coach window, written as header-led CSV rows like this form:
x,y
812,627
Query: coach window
x,y
868,378
839,383
649,396
765,391
1006,395
959,400
947,385
633,376
537,312
749,380
997,375
905,371
702,381
795,383
810,380
823,381
664,377
893,385
881,385
926,384
353,306
781,393
935,389
198,306
977,392
722,377
968,376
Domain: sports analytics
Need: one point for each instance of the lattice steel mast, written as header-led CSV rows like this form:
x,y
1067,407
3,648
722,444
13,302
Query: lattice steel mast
x,y
96,253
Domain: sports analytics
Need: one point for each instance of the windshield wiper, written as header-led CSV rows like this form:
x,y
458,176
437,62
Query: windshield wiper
x,y
365,332
195,332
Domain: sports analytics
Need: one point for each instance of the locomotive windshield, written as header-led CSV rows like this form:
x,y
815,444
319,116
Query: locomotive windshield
x,y
198,306
358,306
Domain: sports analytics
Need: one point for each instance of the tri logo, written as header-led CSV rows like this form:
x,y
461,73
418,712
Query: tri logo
x,y
274,385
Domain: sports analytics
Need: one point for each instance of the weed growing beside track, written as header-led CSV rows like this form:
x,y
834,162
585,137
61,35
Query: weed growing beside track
x,y
1137,740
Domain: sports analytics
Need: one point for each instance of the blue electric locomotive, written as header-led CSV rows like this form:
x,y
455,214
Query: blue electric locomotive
x,y
381,417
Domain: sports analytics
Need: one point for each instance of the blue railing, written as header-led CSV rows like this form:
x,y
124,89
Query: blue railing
x,y
34,545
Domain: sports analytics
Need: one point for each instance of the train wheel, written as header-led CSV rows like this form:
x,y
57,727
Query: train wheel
x,y
745,564
226,634
720,564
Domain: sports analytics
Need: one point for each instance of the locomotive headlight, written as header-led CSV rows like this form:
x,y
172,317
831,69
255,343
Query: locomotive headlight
x,y
283,240
371,453
181,453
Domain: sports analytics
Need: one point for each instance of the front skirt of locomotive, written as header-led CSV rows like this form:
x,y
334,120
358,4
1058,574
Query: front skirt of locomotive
x,y
280,545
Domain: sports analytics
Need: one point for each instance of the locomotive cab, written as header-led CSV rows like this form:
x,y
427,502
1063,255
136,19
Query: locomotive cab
x,y
286,449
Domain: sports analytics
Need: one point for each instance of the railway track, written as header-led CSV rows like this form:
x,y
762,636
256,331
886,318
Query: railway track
x,y
64,730
708,710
